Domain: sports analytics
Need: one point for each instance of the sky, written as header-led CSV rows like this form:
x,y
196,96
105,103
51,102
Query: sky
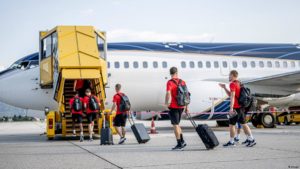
x,y
253,21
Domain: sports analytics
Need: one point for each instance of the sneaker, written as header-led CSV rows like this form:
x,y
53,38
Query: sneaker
x,y
251,143
81,138
122,140
229,144
183,144
246,141
236,139
177,148
91,139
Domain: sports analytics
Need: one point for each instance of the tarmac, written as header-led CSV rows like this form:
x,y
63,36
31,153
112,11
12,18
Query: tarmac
x,y
23,147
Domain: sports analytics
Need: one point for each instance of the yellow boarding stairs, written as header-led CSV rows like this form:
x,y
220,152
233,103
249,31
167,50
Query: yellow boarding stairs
x,y
68,53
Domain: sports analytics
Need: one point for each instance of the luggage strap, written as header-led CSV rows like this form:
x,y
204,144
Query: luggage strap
x,y
190,118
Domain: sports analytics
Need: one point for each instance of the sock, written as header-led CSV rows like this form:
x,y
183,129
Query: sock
x,y
91,136
181,138
250,137
179,142
81,133
237,136
74,131
231,140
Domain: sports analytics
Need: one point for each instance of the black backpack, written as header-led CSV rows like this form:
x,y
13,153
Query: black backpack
x,y
93,104
183,95
245,99
77,104
125,103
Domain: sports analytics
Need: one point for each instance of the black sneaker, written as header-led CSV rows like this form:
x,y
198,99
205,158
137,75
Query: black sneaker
x,y
229,144
251,143
246,141
177,148
236,139
183,144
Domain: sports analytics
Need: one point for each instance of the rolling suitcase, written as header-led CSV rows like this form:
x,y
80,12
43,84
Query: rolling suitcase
x,y
139,131
106,135
205,133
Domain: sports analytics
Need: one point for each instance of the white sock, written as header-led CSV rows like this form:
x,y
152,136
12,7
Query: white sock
x,y
250,137
74,131
231,140
81,133
237,136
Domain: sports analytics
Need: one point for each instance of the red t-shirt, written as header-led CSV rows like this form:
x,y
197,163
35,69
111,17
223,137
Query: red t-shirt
x,y
86,101
71,106
117,99
79,84
235,87
172,87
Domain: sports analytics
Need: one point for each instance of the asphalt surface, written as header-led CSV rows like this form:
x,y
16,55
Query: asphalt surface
x,y
22,146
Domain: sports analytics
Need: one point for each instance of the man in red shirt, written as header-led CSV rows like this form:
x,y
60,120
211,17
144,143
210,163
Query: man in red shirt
x,y
175,111
81,85
121,117
236,112
76,106
92,107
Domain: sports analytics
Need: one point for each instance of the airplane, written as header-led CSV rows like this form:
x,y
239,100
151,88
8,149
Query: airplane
x,y
271,71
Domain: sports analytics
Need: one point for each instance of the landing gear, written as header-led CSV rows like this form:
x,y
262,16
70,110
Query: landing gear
x,y
254,120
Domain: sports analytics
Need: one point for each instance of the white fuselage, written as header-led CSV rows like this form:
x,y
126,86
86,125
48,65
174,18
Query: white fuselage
x,y
145,86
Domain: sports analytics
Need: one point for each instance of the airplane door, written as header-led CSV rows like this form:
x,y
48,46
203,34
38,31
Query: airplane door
x,y
224,68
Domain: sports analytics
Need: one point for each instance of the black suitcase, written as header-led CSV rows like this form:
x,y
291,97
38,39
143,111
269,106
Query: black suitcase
x,y
205,133
106,135
139,131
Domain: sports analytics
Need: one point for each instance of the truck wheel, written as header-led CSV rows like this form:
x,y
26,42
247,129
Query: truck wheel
x,y
223,123
267,120
254,120
286,121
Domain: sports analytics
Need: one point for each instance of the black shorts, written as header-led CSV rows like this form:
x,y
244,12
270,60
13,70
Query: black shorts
x,y
240,117
77,118
120,120
91,117
175,115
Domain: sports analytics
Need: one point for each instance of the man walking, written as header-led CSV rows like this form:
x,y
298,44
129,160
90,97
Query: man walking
x,y
175,111
236,112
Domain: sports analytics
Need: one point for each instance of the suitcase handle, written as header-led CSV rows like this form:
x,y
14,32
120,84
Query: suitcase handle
x,y
130,118
190,118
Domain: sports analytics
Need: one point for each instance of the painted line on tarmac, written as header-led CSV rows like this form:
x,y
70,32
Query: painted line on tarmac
x,y
96,155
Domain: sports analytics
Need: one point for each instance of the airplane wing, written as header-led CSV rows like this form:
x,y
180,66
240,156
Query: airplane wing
x,y
287,83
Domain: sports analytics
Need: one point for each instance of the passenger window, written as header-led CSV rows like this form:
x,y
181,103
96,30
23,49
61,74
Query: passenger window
x,y
277,64
285,65
200,64
108,64
192,64
225,65
269,64
261,64
46,51
244,64
253,64
216,64
117,65
183,64
155,64
164,64
126,65
293,64
145,64
54,44
135,64
208,64
234,64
